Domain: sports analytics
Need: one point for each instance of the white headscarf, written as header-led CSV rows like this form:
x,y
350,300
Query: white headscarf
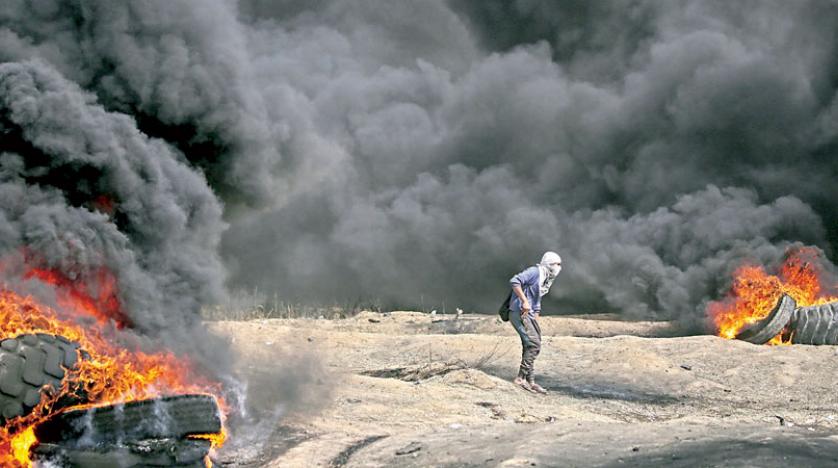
x,y
547,271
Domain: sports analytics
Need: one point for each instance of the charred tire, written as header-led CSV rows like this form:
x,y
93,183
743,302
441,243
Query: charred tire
x,y
161,418
769,327
30,364
816,325
147,453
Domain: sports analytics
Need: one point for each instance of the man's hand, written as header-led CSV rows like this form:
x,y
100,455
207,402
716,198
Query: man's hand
x,y
525,307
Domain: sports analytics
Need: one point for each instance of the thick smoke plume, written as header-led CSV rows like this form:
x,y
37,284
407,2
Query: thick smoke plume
x,y
423,152
63,157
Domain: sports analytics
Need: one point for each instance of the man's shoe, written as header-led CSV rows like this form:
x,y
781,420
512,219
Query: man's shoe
x,y
537,388
523,384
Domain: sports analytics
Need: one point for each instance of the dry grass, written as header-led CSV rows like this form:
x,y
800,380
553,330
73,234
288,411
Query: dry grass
x,y
253,305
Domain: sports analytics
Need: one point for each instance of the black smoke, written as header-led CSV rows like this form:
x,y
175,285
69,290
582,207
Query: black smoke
x,y
60,152
423,152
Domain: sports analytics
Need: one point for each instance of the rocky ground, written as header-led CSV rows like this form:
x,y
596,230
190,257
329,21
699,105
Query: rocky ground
x,y
412,389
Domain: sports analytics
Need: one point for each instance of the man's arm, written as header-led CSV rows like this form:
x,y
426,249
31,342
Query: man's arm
x,y
525,304
524,278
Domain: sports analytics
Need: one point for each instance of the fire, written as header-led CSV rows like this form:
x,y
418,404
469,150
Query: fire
x,y
96,298
103,204
755,292
112,373
21,443
216,439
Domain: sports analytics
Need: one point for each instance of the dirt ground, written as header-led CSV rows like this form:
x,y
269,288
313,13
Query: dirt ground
x,y
412,389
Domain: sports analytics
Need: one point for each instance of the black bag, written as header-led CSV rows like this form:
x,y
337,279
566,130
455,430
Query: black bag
x,y
504,308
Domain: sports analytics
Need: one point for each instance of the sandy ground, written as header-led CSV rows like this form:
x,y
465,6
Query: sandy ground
x,y
411,389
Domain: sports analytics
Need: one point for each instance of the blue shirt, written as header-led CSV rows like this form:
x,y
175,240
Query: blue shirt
x,y
528,281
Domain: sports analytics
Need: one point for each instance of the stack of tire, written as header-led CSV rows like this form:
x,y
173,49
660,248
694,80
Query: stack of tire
x,y
813,325
161,432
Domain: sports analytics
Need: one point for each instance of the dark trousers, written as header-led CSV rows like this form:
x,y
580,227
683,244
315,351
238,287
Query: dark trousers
x,y
530,333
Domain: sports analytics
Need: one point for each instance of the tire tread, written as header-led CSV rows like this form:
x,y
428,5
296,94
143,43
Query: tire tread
x,y
774,323
29,364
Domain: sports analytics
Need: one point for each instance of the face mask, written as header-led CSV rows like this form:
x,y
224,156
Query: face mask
x,y
555,270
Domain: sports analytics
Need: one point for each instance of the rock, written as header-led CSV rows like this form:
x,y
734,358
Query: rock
x,y
686,367
497,413
374,320
412,447
526,418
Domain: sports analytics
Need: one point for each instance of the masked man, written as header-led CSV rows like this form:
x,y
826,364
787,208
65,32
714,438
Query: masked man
x,y
527,287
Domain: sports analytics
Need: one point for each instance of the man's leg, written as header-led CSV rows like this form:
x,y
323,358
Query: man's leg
x,y
529,347
535,337
532,348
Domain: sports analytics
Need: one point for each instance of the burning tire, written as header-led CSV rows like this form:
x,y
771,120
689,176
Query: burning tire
x,y
30,364
769,327
147,433
812,325
146,453
815,325
172,417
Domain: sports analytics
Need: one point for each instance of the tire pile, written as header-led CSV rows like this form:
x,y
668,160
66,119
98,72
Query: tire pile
x,y
813,325
146,433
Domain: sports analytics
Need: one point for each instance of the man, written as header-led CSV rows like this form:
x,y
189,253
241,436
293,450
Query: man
x,y
528,287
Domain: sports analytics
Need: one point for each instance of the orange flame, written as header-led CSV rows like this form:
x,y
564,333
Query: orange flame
x,y
95,298
755,292
112,373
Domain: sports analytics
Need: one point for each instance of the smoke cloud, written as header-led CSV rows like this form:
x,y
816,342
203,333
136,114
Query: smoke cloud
x,y
422,153
60,154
